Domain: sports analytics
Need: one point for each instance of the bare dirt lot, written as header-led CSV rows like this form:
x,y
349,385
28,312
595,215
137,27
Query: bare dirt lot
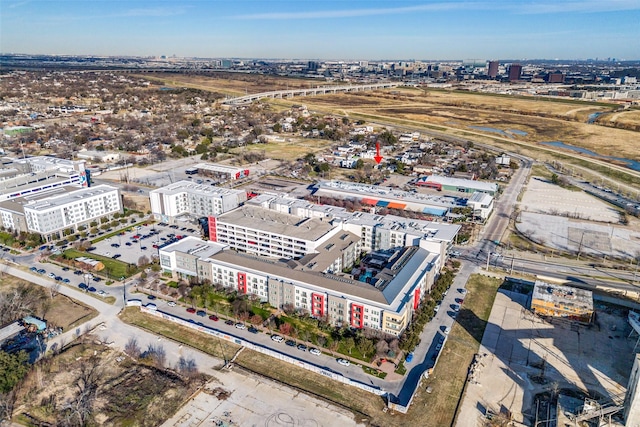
x,y
523,355
574,221
238,399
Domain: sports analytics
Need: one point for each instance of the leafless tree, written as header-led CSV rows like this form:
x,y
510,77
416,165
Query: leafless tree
x,y
132,348
79,409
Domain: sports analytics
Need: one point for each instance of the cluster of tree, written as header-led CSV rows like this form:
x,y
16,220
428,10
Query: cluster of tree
x,y
411,336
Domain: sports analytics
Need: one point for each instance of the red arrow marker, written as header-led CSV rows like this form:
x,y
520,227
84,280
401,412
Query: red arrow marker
x,y
378,157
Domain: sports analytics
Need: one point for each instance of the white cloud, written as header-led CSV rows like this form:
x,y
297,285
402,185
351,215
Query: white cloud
x,y
351,13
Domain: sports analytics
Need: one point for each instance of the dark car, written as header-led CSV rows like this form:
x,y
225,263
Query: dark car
x,y
97,279
91,289
77,272
253,329
191,310
128,243
116,256
65,268
229,322
82,286
58,278
151,297
290,343
201,313
302,347
144,248
214,318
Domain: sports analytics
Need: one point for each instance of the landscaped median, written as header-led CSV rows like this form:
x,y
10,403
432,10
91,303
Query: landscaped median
x,y
114,269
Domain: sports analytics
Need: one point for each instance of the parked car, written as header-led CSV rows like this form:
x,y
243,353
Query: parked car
x,y
447,330
315,351
409,357
191,310
253,329
65,280
214,318
201,313
277,338
343,362
151,297
33,269
302,347
171,304
290,343
82,286
228,322
91,289
240,326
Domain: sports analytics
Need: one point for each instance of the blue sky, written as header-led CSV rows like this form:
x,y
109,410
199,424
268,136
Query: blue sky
x,y
306,29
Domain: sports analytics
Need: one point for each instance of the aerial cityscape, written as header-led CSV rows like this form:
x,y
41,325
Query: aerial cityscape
x,y
243,213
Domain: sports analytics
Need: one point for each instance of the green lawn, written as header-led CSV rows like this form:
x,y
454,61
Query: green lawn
x,y
113,267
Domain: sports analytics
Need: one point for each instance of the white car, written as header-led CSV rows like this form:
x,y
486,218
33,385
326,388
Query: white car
x,y
171,304
315,351
343,362
436,308
102,293
240,325
277,338
447,330
107,254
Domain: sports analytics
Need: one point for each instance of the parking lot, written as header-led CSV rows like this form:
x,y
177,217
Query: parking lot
x,y
142,241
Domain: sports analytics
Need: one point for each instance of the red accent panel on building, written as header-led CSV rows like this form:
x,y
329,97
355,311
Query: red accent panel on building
x,y
416,298
242,283
213,236
357,316
368,201
317,305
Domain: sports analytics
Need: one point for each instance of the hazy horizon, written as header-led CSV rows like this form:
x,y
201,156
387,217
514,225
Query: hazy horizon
x,y
325,30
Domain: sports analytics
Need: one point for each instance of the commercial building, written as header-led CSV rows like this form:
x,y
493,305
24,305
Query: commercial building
x,y
51,212
379,197
562,301
514,72
386,302
99,156
492,69
221,172
457,184
482,204
186,198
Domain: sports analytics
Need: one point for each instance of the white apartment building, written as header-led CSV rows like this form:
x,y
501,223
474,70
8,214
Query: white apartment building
x,y
270,233
196,200
50,214
386,304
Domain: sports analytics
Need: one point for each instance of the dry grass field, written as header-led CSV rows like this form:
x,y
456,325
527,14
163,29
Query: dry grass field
x,y
290,149
542,120
234,83
60,311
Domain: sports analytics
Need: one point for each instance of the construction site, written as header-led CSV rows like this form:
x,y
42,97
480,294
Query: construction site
x,y
544,363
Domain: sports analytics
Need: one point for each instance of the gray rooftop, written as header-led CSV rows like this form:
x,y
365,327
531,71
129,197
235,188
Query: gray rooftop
x,y
65,198
269,221
192,187
460,182
195,246
564,295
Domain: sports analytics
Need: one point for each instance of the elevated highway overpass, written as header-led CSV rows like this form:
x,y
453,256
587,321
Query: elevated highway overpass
x,y
322,90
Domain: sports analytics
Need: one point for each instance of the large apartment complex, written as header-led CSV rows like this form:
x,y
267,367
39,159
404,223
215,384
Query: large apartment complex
x,y
355,269
50,212
186,198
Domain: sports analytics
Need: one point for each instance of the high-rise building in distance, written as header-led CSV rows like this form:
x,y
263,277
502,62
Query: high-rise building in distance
x,y
515,71
492,69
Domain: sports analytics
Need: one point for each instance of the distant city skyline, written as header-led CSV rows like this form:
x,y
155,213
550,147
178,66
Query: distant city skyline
x,y
371,30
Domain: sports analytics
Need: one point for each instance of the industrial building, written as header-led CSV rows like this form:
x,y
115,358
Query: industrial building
x,y
562,301
632,399
218,171
388,198
445,183
186,198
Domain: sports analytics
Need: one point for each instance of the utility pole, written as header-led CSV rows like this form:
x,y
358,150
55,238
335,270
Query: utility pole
x,y
488,254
